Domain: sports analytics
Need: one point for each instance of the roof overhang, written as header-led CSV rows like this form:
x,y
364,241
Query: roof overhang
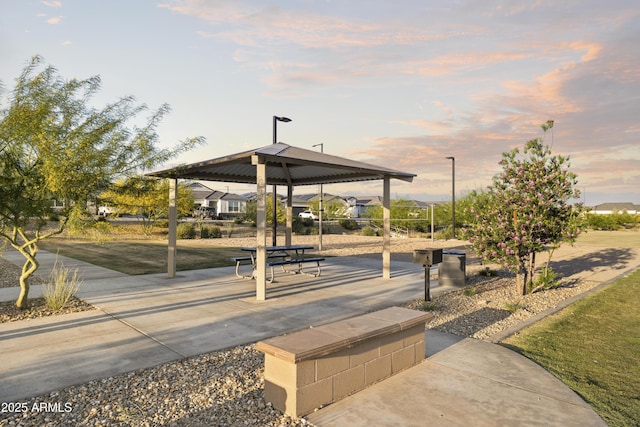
x,y
285,165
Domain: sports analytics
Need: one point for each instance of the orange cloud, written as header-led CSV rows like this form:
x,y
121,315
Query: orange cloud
x,y
54,3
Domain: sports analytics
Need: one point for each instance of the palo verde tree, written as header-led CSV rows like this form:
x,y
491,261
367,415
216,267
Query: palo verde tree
x,y
55,145
400,211
526,210
331,207
147,198
251,211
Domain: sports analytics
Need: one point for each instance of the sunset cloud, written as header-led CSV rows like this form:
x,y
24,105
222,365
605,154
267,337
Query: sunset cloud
x,y
55,4
403,87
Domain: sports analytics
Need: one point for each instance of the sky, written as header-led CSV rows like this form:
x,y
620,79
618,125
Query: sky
x,y
400,84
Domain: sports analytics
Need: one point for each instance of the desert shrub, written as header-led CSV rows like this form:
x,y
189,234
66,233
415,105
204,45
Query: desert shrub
x,y
546,279
307,231
512,306
614,221
296,225
210,232
369,231
349,224
79,222
62,286
602,222
422,226
161,223
444,234
307,222
186,231
487,272
469,291
428,306
303,226
103,232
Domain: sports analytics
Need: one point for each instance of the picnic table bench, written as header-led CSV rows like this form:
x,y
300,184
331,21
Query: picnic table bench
x,y
293,255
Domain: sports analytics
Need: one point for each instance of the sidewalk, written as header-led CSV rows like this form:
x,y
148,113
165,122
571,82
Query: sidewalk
x,y
463,382
146,320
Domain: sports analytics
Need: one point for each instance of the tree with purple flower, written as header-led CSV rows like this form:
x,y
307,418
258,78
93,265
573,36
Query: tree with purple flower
x,y
525,210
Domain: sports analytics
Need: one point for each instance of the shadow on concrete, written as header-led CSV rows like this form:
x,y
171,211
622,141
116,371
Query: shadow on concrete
x,y
617,259
437,341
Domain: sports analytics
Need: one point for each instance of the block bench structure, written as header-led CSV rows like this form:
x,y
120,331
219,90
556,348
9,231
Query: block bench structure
x,y
321,365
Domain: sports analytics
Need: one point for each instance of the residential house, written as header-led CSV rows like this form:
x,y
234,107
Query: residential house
x,y
334,206
357,206
218,204
617,207
298,204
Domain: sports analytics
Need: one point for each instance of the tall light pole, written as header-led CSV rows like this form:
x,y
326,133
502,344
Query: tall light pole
x,y
453,194
320,210
274,222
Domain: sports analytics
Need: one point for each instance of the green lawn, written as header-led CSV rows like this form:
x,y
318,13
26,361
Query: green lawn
x,y
141,256
593,346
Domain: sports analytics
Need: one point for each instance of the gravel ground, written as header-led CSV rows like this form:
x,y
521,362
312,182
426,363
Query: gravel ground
x,y
224,388
488,306
10,275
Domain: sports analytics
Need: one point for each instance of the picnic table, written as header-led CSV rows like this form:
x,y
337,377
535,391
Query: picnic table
x,y
283,256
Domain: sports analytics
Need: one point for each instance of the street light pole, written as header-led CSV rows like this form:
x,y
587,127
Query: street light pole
x,y
320,210
453,194
274,221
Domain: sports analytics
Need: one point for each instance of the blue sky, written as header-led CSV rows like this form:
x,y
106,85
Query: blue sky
x,y
397,84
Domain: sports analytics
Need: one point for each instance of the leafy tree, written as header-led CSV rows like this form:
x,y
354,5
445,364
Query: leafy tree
x,y
147,198
400,210
55,145
251,211
525,210
333,208
613,221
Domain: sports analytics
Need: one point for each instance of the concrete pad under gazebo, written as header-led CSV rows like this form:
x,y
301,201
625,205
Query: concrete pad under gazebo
x,y
280,164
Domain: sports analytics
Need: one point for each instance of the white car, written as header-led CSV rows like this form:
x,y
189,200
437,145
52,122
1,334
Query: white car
x,y
308,214
106,211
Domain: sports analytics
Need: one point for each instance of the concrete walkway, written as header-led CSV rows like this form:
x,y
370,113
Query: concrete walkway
x,y
463,382
146,320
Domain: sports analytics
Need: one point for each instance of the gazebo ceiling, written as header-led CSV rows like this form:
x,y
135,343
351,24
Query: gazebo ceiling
x,y
285,165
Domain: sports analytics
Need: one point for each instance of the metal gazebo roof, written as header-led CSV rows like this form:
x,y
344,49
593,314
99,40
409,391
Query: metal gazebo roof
x,y
286,165
279,164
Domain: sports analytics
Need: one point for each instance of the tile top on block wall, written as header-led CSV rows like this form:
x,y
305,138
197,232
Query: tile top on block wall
x,y
326,339
316,366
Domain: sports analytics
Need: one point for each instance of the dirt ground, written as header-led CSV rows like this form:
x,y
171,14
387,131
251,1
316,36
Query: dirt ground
x,y
595,253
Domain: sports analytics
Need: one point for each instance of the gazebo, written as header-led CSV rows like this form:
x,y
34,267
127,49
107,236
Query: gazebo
x,y
285,165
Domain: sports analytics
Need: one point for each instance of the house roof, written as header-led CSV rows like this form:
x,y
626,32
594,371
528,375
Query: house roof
x,y
285,165
221,195
200,191
617,206
373,201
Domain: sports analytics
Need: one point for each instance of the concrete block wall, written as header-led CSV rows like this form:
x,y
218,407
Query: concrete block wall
x,y
338,369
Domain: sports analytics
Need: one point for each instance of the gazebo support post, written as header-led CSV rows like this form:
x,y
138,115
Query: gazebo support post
x,y
386,221
289,215
173,227
261,220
